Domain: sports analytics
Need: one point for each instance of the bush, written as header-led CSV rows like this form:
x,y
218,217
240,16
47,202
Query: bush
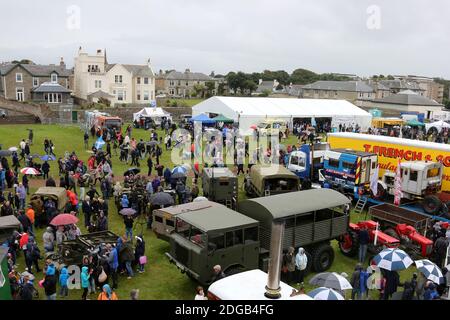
x,y
174,104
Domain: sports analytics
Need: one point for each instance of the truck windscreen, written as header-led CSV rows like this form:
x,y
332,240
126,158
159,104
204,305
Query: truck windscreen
x,y
113,123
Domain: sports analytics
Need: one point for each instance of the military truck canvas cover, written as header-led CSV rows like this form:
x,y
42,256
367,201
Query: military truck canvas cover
x,y
187,207
259,174
55,193
219,172
217,218
281,206
8,225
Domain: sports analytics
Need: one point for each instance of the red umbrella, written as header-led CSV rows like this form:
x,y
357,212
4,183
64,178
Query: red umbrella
x,y
63,220
253,126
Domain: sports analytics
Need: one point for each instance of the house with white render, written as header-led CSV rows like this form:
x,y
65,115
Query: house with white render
x,y
95,78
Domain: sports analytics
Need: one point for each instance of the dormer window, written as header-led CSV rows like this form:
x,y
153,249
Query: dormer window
x,y
54,78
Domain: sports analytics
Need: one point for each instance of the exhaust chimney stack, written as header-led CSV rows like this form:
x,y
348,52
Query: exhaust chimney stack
x,y
273,288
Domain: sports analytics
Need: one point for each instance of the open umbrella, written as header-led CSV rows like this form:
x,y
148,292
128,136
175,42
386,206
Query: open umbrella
x,y
162,199
5,153
133,171
253,126
325,294
127,212
13,149
179,169
331,280
392,259
48,157
178,175
30,171
199,199
152,143
63,220
430,270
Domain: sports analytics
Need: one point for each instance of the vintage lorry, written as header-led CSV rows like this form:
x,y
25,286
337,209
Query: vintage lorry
x,y
57,194
220,185
270,180
240,241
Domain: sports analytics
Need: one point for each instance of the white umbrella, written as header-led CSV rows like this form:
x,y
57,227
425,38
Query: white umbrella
x,y
331,280
13,149
430,270
393,259
30,171
199,199
325,294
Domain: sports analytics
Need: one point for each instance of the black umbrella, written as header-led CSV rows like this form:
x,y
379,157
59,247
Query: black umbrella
x,y
162,199
178,175
5,153
152,143
132,171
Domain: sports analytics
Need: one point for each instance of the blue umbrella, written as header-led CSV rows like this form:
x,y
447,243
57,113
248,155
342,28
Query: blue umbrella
x,y
179,169
99,143
325,294
393,259
48,157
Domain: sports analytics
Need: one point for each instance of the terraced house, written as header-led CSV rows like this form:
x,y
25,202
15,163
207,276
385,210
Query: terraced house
x,y
95,78
49,84
351,91
182,84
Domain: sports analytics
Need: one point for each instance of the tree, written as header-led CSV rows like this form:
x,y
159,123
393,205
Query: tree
x,y
249,86
303,76
265,93
221,89
210,86
199,90
390,77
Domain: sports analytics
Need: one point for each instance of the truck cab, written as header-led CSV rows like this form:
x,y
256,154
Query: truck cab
x,y
300,161
214,236
419,179
269,127
269,180
347,169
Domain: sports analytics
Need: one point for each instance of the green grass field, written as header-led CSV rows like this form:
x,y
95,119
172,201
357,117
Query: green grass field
x,y
161,279
182,102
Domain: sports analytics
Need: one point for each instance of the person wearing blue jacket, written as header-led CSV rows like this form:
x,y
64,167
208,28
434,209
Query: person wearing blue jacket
x,y
125,203
85,275
113,261
363,290
63,280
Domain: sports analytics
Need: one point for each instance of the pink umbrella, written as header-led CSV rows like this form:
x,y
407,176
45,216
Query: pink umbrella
x,y
63,220
31,171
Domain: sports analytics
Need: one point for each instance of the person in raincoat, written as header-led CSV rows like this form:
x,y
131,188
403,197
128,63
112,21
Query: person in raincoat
x,y
301,262
107,294
49,240
63,280
85,279
125,202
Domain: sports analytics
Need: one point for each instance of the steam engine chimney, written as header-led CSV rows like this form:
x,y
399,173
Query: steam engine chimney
x,y
273,288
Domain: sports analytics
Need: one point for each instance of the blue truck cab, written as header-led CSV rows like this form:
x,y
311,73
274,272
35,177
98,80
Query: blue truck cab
x,y
348,170
299,161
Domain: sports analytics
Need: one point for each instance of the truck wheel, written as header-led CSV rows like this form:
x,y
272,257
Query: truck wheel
x,y
431,204
349,244
322,257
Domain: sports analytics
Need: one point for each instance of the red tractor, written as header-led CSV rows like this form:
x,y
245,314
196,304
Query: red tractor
x,y
349,243
403,236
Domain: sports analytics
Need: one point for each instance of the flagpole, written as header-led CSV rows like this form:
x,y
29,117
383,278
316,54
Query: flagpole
x,y
376,235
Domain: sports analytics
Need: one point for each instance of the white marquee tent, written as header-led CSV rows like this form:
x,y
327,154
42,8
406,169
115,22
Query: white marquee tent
x,y
251,111
154,113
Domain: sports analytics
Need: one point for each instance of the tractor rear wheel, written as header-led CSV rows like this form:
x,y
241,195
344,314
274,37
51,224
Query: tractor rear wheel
x,y
431,204
349,245
322,257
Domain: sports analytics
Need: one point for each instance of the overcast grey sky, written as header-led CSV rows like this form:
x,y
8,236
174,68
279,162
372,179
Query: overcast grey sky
x,y
247,35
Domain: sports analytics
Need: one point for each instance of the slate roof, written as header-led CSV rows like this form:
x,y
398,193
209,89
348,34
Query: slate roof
x,y
190,76
138,70
36,70
351,86
408,99
401,85
49,87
